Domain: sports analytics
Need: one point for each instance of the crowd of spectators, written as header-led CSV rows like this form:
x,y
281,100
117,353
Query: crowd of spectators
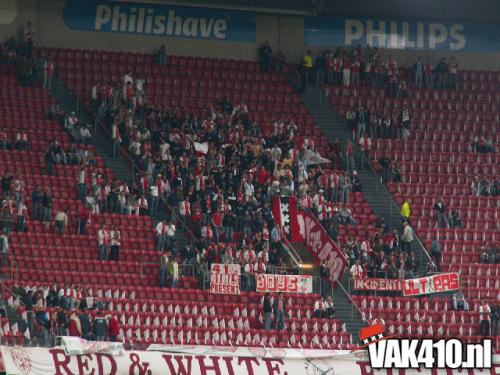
x,y
366,66
63,310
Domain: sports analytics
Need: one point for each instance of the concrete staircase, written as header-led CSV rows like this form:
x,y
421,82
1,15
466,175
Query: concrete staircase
x,y
120,165
375,193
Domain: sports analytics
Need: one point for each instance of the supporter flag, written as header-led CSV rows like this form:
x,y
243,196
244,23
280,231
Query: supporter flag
x,y
201,148
285,215
312,158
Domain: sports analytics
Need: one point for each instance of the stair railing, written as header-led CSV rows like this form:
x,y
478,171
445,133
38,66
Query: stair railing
x,y
14,266
395,205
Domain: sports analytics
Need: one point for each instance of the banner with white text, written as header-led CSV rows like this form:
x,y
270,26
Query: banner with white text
x,y
163,20
321,245
284,283
399,33
443,282
225,278
199,360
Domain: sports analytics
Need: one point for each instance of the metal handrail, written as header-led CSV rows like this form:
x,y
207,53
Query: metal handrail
x,y
291,251
11,292
352,301
12,263
394,203
358,148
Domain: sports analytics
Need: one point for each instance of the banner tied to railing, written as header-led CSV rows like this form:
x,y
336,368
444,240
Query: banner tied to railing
x,y
225,278
443,282
284,283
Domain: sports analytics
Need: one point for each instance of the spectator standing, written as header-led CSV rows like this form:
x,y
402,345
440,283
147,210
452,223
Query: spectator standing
x,y
161,55
329,308
459,302
406,210
161,232
442,74
452,73
307,66
319,66
484,319
385,163
100,327
173,272
418,68
436,250
46,207
164,262
265,55
319,308
4,248
74,325
61,221
85,325
103,241
22,215
279,311
113,328
267,308
48,72
407,237
115,241
441,219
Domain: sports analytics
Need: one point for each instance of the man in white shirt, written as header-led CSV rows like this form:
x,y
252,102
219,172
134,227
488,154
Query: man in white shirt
x,y
319,308
103,241
161,232
484,319
4,248
115,241
169,234
356,272
61,221
153,196
407,238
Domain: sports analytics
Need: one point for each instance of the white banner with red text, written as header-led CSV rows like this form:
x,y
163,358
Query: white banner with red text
x,y
377,284
225,278
199,360
443,282
284,283
321,246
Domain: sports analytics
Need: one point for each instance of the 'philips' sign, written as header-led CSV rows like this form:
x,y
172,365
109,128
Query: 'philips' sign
x,y
160,20
402,34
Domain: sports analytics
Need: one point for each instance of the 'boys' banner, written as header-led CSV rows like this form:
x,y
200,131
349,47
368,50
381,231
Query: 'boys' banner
x,y
284,283
401,33
160,20
443,282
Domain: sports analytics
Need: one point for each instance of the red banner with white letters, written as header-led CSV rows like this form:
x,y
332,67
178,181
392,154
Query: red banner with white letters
x,y
284,283
321,245
443,282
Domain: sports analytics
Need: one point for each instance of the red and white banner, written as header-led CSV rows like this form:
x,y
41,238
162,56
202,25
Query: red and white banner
x,y
378,284
284,283
205,360
321,246
443,282
285,216
225,278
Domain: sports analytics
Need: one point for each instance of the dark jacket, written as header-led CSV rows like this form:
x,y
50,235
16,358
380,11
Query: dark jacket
x,y
267,305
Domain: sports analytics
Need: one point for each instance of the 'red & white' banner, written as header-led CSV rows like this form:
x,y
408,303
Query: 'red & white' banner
x,y
443,282
199,360
225,278
284,283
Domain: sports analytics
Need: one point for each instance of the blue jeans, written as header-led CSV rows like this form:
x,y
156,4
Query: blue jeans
x,y
160,242
81,191
174,283
280,320
163,278
103,249
228,234
154,205
267,321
